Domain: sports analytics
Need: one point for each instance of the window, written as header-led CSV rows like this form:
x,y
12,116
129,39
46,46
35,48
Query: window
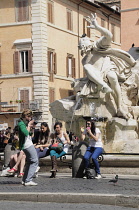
x,y
23,61
69,20
71,66
22,10
50,12
85,29
113,32
51,95
52,65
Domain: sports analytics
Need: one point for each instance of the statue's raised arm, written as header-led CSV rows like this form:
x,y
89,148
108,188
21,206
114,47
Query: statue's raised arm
x,y
106,39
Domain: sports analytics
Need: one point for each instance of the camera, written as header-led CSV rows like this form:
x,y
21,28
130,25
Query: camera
x,y
35,121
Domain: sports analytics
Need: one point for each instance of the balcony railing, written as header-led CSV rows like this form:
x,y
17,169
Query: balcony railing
x,y
19,105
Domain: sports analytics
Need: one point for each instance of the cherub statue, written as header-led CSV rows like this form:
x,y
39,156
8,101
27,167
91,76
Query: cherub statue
x,y
105,66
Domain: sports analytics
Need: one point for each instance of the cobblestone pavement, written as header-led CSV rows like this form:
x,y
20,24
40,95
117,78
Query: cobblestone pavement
x,y
65,189
127,185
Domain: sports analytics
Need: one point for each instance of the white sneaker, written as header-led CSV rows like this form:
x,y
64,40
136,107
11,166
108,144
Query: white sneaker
x,y
98,176
84,177
31,183
22,183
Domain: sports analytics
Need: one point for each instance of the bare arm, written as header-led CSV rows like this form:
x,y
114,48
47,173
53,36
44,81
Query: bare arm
x,y
67,138
91,135
107,35
42,145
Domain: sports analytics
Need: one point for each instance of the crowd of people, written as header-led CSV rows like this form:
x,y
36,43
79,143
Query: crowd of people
x,y
29,144
5,137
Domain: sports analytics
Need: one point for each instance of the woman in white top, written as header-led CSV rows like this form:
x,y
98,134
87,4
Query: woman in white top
x,y
95,147
63,137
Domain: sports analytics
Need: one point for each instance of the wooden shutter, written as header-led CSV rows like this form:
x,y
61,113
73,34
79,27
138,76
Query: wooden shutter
x,y
84,26
51,95
49,61
88,29
50,12
102,24
25,10
73,68
29,60
22,10
70,92
16,62
55,63
0,101
69,20
113,32
24,95
67,66
0,64
19,11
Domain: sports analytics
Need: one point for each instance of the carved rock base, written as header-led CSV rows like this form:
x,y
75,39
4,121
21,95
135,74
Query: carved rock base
x,y
121,136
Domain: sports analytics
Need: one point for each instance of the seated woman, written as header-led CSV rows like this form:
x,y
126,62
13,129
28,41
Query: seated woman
x,y
42,147
17,160
43,143
17,163
62,136
95,146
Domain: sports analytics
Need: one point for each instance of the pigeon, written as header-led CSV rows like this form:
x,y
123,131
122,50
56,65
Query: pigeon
x,y
114,180
133,45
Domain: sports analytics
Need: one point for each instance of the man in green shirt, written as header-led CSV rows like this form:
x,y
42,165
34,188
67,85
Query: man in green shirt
x,y
25,126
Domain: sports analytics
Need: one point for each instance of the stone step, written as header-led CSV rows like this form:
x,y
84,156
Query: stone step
x,y
112,164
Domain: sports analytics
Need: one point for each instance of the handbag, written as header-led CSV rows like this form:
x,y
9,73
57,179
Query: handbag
x,y
58,147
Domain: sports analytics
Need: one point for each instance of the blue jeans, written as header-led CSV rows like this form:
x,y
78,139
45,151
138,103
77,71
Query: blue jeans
x,y
93,152
43,153
54,153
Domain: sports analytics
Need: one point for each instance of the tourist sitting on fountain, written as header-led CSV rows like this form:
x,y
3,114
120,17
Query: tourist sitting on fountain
x,y
62,136
95,147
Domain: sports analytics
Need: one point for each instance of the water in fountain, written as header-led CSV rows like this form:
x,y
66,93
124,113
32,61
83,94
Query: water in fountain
x,y
92,108
75,108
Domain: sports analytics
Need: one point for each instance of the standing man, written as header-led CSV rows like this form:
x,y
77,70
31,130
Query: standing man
x,y
25,126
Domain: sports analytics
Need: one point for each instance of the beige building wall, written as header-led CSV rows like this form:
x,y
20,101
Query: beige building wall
x,y
129,23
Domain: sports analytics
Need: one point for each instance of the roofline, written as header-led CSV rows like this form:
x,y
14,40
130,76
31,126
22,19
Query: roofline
x,y
91,3
105,5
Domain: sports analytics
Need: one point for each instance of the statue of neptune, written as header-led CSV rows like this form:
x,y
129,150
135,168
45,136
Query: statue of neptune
x,y
105,66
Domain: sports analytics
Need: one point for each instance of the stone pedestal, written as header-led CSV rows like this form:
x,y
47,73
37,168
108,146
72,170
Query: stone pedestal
x,y
122,136
77,160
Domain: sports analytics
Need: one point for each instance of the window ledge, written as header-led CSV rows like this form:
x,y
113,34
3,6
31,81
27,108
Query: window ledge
x,y
9,105
22,41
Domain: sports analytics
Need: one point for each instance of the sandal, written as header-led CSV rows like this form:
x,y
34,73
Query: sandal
x,y
20,175
12,170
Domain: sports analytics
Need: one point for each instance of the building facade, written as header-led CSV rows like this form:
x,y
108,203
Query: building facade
x,y
129,24
39,54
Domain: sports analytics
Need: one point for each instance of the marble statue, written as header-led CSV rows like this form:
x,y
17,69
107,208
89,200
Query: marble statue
x,y
110,90
105,66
